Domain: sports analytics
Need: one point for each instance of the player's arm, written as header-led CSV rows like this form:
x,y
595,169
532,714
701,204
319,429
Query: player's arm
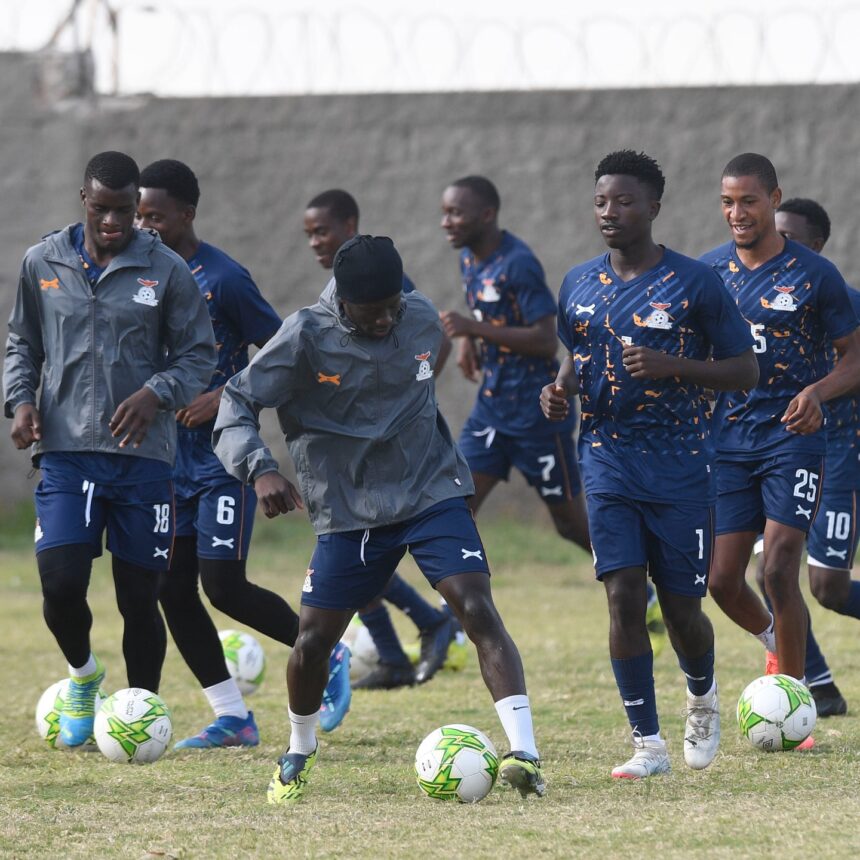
x,y
554,398
804,414
538,339
726,374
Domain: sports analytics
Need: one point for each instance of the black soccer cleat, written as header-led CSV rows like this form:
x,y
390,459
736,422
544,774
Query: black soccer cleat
x,y
829,702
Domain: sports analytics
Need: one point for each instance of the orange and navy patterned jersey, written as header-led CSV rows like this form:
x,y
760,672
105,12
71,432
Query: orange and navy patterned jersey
x,y
647,438
509,289
795,304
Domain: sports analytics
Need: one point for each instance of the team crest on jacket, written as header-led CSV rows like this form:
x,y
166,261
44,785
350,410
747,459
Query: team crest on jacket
x,y
424,369
785,301
489,292
146,294
658,318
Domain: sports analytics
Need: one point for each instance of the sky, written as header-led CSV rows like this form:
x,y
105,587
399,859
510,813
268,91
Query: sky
x,y
270,47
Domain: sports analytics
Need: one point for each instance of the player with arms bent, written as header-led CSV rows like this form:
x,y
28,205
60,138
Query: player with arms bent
x,y
641,324
352,379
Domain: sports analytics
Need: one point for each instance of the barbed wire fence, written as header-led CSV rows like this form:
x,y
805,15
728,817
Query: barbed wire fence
x,y
252,47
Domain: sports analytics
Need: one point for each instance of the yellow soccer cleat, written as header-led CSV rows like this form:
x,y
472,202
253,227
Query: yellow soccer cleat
x,y
290,777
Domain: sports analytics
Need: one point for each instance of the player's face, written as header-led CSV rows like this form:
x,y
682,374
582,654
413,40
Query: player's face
x,y
326,234
172,219
108,215
623,210
748,209
375,319
464,216
793,226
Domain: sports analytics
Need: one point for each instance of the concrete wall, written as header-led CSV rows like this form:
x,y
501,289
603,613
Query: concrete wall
x,y
260,160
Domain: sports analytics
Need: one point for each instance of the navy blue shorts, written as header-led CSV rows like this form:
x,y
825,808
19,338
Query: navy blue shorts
x,y
77,503
673,542
349,569
210,503
784,488
547,461
832,540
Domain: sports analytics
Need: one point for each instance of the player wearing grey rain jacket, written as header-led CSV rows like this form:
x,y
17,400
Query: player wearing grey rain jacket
x,y
354,407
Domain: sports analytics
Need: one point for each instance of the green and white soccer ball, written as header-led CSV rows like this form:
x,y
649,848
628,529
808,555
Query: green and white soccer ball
x,y
245,659
48,715
133,726
364,657
456,762
776,712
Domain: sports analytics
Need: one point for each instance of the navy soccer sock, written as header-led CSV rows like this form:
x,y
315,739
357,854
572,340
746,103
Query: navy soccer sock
x,y
378,623
635,679
699,672
402,595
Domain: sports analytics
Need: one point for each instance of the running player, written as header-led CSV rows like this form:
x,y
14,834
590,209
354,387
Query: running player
x,y
639,324
352,379
214,511
331,219
109,322
770,440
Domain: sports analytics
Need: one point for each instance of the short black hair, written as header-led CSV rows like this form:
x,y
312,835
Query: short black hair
x,y
753,164
174,177
341,204
628,162
482,188
115,170
814,212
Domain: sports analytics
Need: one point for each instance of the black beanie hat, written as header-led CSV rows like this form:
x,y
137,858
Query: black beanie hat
x,y
367,269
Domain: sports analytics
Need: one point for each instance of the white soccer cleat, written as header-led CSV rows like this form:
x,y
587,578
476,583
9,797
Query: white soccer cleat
x,y
650,757
702,732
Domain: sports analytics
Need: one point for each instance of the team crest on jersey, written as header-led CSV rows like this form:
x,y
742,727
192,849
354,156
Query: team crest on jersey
x,y
308,587
658,318
733,267
785,301
424,369
605,279
489,292
146,294
53,284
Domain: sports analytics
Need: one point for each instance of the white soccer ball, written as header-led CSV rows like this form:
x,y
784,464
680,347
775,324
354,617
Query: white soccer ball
x,y
133,726
456,762
245,659
776,712
364,657
48,715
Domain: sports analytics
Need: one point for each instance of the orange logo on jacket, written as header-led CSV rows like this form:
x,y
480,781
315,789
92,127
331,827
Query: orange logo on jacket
x,y
53,284
145,283
334,379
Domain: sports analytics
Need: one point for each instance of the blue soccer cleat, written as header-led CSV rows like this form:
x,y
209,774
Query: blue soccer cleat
x,y
338,692
79,707
290,778
224,732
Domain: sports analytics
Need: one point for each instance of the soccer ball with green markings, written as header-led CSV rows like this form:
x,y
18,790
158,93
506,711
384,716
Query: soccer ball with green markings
x,y
245,659
456,762
48,715
776,712
133,726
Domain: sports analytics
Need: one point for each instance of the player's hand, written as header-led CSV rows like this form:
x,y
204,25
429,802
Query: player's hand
x,y
554,403
26,426
456,325
803,414
133,417
276,494
468,360
203,408
644,363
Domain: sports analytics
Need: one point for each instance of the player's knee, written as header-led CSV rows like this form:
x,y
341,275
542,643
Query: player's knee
x,y
312,647
64,573
825,590
725,590
480,618
222,581
781,587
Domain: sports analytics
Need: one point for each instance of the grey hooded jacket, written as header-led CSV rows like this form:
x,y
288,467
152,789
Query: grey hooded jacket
x,y
359,415
145,323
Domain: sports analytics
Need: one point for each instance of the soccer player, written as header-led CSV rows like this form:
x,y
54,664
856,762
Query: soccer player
x,y
640,323
109,322
511,337
352,379
832,541
214,511
330,219
770,440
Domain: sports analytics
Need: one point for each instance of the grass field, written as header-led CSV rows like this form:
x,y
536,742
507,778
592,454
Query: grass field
x,y
362,800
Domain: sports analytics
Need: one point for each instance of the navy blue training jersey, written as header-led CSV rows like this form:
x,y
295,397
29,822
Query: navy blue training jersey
x,y
647,439
794,304
509,289
240,315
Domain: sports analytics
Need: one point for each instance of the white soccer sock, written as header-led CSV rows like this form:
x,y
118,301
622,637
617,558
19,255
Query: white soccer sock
x,y
303,737
707,697
767,637
83,671
226,700
657,737
516,718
